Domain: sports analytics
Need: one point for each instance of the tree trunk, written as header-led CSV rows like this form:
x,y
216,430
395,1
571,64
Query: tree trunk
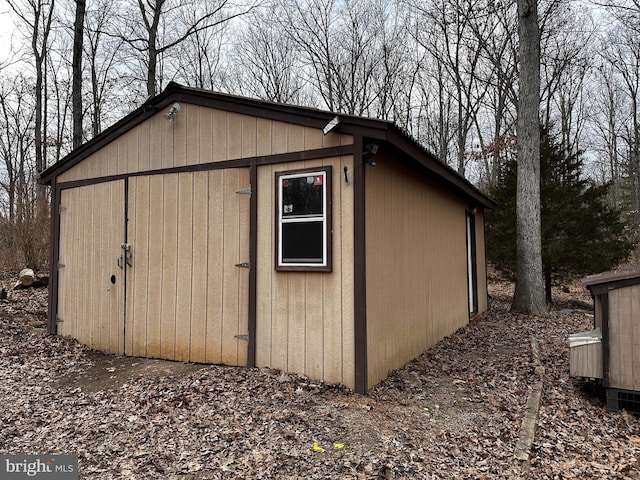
x,y
76,94
529,295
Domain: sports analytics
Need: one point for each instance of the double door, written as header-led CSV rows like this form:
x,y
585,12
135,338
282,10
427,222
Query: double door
x,y
153,266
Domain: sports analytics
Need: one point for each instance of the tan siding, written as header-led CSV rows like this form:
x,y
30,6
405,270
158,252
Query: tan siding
x,y
416,266
92,229
624,338
305,319
198,135
188,231
155,248
215,238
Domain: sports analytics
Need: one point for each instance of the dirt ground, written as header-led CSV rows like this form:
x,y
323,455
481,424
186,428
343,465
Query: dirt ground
x,y
454,412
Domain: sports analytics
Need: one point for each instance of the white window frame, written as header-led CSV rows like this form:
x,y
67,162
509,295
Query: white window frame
x,y
324,218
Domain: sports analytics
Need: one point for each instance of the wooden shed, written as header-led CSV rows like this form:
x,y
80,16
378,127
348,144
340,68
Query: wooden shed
x,y
616,297
210,228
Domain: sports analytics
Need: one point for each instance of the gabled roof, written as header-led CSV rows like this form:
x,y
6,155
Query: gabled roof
x,y
389,135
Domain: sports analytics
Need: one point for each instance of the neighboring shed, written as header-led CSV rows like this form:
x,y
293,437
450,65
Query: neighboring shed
x,y
209,228
616,297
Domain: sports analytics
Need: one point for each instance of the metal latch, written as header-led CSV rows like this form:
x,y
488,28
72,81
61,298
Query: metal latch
x,y
243,265
61,208
243,336
126,257
61,265
244,191
59,320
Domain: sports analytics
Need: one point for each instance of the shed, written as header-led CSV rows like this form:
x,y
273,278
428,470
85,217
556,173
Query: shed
x,y
616,297
210,228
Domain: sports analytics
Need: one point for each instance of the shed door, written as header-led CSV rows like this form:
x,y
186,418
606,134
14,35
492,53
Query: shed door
x,y
90,283
186,297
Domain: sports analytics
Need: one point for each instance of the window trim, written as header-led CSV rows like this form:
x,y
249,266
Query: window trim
x,y
326,265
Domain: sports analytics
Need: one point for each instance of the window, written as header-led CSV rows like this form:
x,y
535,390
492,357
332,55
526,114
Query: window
x,y
303,226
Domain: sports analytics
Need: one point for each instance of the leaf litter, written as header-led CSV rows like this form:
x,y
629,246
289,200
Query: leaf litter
x,y
453,413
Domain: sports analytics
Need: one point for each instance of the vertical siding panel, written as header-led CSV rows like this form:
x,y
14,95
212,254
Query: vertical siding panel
x,y
131,163
205,136
156,133
332,294
614,339
64,253
181,126
155,266
280,321
115,240
279,138
243,256
200,261
333,139
215,268
625,339
231,274
138,297
266,241
185,266
249,136
312,138
167,144
192,134
314,326
220,138
297,322
345,281
263,136
234,125
295,138
634,319
144,146
169,265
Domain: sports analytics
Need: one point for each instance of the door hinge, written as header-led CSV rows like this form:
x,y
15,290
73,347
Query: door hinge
x,y
61,265
61,209
242,336
243,265
59,320
244,191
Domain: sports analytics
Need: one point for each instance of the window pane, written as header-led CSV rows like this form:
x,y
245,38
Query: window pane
x,y
302,195
302,242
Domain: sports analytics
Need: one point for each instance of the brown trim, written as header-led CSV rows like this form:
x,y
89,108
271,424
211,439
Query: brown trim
x,y
315,154
253,262
54,258
359,266
604,304
328,267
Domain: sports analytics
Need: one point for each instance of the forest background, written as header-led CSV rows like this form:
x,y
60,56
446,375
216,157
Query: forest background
x,y
444,70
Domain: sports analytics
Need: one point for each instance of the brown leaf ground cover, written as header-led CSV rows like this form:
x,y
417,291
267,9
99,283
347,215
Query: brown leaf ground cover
x,y
455,412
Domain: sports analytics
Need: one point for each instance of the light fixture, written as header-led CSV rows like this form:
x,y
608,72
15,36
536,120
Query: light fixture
x,y
370,151
173,111
331,125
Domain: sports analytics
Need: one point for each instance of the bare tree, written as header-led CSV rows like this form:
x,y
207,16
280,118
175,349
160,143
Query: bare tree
x,y
529,296
155,27
104,60
78,38
37,16
268,63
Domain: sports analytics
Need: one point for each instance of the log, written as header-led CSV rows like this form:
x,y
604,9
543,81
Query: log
x,y
28,279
